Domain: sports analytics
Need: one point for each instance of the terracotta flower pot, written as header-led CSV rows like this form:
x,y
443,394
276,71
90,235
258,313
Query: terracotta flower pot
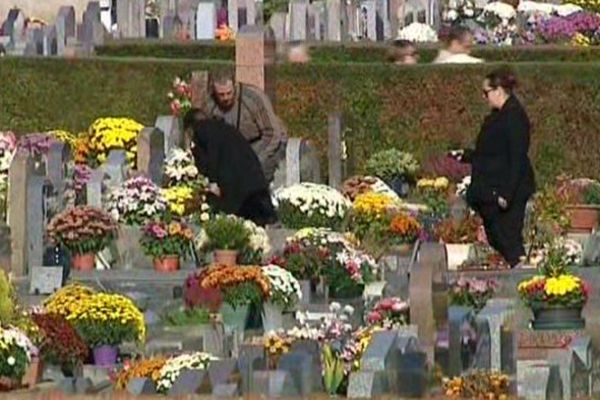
x,y
83,262
225,257
166,264
584,218
7,384
34,372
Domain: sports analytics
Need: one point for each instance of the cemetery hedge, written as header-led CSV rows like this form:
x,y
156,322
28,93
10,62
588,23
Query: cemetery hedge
x,y
371,53
422,109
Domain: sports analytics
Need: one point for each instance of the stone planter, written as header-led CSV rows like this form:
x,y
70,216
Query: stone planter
x,y
584,218
549,318
305,287
272,317
457,254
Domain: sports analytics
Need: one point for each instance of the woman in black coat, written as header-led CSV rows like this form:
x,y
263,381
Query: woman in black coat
x,y
224,156
502,179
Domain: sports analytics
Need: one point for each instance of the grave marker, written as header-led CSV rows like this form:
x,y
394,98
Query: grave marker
x,y
131,18
334,20
255,59
336,150
206,21
57,158
172,130
151,154
45,280
67,15
93,188
141,386
278,23
299,20
116,167
172,26
232,14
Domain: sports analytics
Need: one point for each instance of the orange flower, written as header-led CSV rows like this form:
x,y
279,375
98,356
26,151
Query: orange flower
x,y
174,228
221,276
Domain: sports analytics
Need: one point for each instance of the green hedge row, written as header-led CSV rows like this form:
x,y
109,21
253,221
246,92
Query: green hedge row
x,y
424,109
343,53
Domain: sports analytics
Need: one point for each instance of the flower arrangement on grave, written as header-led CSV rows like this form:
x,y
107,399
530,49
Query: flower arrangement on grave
x,y
16,352
137,201
239,285
355,347
259,244
65,301
106,134
434,194
445,166
195,296
389,313
227,235
169,373
285,290
478,385
149,368
472,292
180,169
573,251
83,231
404,229
60,344
559,29
276,344
555,289
167,242
392,164
458,232
418,32
357,185
370,215
548,218
180,97
311,205
458,11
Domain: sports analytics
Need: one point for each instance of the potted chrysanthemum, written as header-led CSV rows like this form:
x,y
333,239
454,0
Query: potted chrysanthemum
x,y
285,293
16,352
83,231
227,236
167,242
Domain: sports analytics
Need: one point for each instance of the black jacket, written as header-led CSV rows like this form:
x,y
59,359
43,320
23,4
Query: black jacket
x,y
500,164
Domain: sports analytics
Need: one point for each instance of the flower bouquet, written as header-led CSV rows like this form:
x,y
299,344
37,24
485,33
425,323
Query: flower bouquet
x,y
104,321
167,243
227,236
107,134
395,167
404,229
171,370
311,205
149,368
357,185
16,352
276,344
370,215
555,296
259,244
60,344
180,169
434,194
472,292
389,313
180,97
284,294
478,385
137,201
83,231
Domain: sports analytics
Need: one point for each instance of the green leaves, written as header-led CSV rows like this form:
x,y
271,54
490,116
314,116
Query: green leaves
x,y
333,370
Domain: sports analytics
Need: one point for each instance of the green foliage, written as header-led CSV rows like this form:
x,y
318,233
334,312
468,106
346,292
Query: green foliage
x,y
98,333
242,294
293,218
592,194
227,233
18,368
186,317
7,300
333,370
423,109
392,163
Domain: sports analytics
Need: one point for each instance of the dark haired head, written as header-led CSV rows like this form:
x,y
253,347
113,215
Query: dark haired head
x,y
456,33
401,49
502,77
402,43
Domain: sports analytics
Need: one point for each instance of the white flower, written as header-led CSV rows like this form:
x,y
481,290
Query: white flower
x,y
204,217
335,307
502,10
418,32
349,310
11,361
469,12
452,15
563,10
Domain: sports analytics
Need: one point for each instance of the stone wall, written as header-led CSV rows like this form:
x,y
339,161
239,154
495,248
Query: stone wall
x,y
46,9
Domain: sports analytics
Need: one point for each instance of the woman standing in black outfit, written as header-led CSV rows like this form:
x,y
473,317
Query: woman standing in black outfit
x,y
502,179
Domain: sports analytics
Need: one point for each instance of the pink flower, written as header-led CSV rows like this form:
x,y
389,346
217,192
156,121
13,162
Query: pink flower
x,y
374,317
386,304
158,231
175,107
399,307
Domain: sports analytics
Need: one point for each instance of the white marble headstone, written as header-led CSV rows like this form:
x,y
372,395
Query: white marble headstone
x,y
206,21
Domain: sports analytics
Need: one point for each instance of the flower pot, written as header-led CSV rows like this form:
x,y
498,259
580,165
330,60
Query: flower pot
x,y
457,254
7,384
583,218
272,317
235,317
166,264
556,317
105,355
225,257
34,373
83,262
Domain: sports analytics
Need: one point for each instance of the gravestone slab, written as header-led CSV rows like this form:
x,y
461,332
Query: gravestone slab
x,y
20,172
222,371
171,26
115,168
274,384
199,89
141,387
172,130
49,41
93,188
226,390
460,319
67,14
335,145
411,378
151,154
381,352
38,189
538,380
278,23
367,384
369,14
131,19
298,20
249,361
45,280
232,14
301,367
189,382
206,21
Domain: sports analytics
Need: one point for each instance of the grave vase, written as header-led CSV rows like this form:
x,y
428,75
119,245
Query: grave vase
x,y
457,254
272,317
34,373
225,257
106,355
166,264
235,317
547,317
306,288
83,262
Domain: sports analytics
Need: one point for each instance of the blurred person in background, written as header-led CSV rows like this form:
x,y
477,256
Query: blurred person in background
x,y
403,52
457,47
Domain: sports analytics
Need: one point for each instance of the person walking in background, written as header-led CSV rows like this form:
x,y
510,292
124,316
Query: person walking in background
x,y
502,178
458,44
403,52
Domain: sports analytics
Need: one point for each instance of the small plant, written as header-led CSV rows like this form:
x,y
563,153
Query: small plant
x,y
7,300
285,289
389,313
452,231
187,316
404,229
479,385
16,351
225,232
161,239
333,370
434,194
391,164
472,292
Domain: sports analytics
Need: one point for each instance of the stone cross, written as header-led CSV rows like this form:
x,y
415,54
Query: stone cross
x,y
255,58
428,295
336,150
21,170
151,154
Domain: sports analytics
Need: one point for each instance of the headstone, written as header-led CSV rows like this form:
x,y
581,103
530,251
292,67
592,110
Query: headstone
x,y
591,250
206,21
15,28
56,165
251,13
189,382
171,26
369,13
67,15
411,379
459,352
199,88
131,19
45,280
335,147
93,188
301,368
249,361
151,154
278,23
61,35
428,295
49,44
334,20
232,13
299,20
395,9
222,371
496,315
227,390
538,380
152,28
382,20
141,386
255,59
274,384
367,384
381,352
116,167
172,130
38,40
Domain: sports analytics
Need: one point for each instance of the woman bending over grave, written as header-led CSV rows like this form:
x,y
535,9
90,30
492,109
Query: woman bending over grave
x,y
226,158
502,179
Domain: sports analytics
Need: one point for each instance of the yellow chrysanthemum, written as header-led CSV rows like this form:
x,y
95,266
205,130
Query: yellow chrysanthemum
x,y
373,203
